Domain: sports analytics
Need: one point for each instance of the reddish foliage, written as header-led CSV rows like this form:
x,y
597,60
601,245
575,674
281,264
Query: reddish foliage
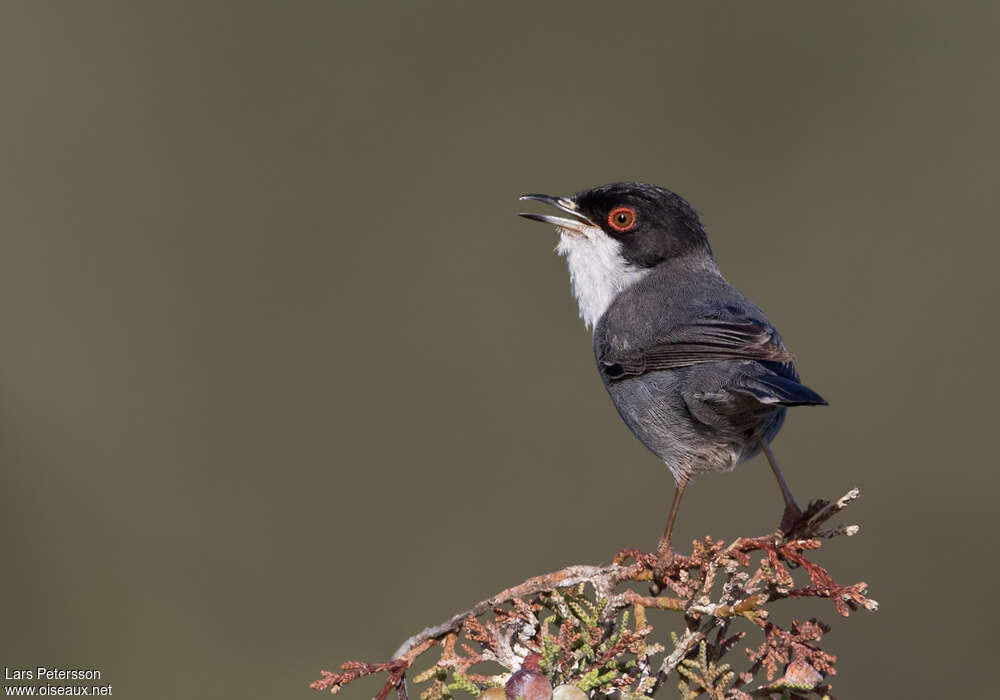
x,y
797,645
354,670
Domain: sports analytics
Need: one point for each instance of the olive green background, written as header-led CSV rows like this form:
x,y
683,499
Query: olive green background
x,y
283,380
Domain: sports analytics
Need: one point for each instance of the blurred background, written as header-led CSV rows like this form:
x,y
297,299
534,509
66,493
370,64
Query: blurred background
x,y
284,380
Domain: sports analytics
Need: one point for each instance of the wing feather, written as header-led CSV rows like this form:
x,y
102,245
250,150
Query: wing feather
x,y
704,340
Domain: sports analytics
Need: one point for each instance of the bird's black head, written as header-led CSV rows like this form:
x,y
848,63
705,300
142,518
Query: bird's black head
x,y
651,223
612,236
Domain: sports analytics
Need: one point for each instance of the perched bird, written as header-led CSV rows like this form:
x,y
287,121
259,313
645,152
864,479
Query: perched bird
x,y
695,369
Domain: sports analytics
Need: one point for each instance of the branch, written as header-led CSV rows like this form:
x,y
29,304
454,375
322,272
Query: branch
x,y
602,578
589,640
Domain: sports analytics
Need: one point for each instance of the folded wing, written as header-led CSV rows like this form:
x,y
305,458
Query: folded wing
x,y
700,341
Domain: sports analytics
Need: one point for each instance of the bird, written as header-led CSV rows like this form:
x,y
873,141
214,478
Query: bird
x,y
696,370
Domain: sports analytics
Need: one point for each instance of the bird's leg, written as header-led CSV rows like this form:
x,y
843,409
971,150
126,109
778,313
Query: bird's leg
x,y
663,549
792,510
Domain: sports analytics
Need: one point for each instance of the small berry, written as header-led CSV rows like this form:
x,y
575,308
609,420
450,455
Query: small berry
x,y
528,684
493,694
568,692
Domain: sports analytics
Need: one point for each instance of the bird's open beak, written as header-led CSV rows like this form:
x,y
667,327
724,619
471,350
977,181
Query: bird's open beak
x,y
576,223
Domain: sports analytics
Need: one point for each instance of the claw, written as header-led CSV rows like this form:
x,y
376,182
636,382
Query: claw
x,y
664,558
790,518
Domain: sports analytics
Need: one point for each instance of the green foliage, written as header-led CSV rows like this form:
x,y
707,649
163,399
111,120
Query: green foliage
x,y
593,678
592,649
704,675
550,655
462,683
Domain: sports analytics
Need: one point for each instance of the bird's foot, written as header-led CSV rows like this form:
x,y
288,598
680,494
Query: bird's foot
x,y
790,519
664,558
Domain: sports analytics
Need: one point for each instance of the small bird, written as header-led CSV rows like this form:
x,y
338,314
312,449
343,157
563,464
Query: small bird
x,y
696,370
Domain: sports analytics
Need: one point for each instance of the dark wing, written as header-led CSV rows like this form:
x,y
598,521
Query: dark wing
x,y
696,342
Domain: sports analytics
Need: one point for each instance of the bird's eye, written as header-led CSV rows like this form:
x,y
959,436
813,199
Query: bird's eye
x,y
622,219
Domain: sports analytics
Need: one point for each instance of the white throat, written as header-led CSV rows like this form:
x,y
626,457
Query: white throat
x,y
597,271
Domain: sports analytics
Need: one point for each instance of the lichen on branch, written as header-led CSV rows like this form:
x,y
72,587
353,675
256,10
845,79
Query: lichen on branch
x,y
588,627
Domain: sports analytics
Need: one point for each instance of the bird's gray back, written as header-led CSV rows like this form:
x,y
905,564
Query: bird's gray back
x,y
687,416
671,295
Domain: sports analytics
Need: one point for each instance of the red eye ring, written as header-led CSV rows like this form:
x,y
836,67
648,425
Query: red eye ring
x,y
622,219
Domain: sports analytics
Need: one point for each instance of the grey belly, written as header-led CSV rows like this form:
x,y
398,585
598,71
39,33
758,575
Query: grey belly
x,y
688,419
